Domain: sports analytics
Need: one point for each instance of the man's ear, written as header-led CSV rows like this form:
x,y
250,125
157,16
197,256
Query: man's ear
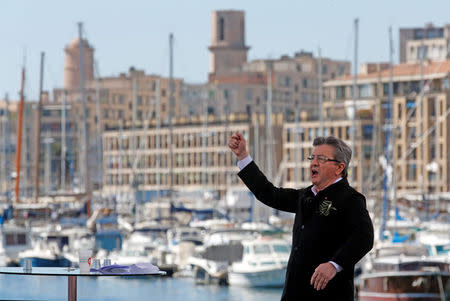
x,y
341,168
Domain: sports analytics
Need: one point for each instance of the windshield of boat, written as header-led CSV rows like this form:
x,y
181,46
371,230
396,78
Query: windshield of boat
x,y
281,248
261,249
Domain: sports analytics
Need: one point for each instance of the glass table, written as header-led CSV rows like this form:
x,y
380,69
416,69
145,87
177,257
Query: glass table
x,y
71,273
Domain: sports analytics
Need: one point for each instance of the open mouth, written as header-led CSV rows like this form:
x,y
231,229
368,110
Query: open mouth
x,y
314,172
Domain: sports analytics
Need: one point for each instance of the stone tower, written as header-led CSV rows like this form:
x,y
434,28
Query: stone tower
x,y
72,64
228,50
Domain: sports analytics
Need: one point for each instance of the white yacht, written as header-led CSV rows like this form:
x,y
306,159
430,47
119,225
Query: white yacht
x,y
13,240
263,263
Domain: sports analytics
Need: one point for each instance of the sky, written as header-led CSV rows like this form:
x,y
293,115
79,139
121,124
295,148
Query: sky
x,y
136,33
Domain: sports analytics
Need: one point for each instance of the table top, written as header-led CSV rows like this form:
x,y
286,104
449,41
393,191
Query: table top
x,y
60,271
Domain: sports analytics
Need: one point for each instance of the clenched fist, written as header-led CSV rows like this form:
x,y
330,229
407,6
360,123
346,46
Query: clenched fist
x,y
237,144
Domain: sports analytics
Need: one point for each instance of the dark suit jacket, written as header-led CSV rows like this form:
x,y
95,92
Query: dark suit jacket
x,y
341,232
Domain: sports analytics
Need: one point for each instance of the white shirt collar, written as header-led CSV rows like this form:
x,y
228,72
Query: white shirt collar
x,y
314,190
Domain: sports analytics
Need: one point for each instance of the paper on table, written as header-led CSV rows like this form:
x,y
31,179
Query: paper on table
x,y
143,268
138,268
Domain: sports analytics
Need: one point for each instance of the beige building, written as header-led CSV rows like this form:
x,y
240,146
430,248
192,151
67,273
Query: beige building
x,y
202,159
111,102
420,136
238,86
430,41
298,138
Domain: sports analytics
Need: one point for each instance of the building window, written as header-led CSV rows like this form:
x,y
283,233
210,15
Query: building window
x,y
364,90
411,174
249,94
221,29
367,131
418,34
305,83
340,92
287,81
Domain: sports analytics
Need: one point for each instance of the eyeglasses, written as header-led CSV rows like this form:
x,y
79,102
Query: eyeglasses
x,y
321,159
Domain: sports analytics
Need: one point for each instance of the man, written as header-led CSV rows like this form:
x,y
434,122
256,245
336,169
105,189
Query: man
x,y
332,228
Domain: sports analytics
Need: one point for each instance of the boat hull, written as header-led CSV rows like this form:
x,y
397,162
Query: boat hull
x,y
44,262
404,286
398,297
267,278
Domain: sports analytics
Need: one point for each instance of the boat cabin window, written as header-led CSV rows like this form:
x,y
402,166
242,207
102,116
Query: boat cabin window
x,y
281,248
15,239
443,249
261,249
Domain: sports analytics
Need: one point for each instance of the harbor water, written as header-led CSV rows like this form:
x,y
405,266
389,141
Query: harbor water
x,y
18,287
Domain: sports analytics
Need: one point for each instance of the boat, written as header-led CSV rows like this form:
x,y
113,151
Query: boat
x,y
206,271
13,240
264,262
210,262
44,254
406,279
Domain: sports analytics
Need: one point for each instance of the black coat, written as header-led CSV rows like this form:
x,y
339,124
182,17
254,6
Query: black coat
x,y
334,226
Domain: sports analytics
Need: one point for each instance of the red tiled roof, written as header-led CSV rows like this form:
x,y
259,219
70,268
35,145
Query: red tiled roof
x,y
404,70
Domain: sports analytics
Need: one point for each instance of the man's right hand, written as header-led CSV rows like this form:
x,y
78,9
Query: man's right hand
x,y
237,144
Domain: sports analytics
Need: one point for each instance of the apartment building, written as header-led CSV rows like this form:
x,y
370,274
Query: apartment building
x,y
130,98
240,86
420,120
298,140
200,155
429,42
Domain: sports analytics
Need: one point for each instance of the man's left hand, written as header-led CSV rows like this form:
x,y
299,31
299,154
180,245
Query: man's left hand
x,y
322,275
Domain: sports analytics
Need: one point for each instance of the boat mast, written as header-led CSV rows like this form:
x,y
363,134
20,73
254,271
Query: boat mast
x,y
321,132
171,115
5,149
98,123
19,136
269,132
388,172
134,181
296,132
158,138
84,142
204,136
38,133
63,142
355,77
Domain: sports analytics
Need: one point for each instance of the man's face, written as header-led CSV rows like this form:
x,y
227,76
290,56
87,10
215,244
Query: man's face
x,y
324,174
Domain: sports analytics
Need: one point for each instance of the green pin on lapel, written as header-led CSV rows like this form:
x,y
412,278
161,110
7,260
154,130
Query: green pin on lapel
x,y
325,207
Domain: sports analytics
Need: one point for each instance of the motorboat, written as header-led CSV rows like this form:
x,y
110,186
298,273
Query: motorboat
x,y
13,240
264,262
406,278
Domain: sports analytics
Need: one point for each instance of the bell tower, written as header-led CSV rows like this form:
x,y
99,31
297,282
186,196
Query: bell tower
x,y
72,64
227,50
